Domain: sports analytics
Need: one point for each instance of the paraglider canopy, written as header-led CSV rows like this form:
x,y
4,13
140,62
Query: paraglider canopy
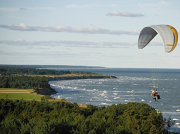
x,y
168,34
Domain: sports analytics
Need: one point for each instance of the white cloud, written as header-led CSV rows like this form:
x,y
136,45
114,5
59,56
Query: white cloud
x,y
124,14
89,44
60,28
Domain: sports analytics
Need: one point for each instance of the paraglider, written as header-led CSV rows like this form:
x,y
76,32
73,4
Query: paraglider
x,y
155,95
168,34
169,37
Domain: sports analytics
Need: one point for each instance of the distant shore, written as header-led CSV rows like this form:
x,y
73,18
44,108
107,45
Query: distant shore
x,y
75,77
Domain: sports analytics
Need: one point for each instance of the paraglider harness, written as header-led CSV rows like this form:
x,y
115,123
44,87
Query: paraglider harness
x,y
155,96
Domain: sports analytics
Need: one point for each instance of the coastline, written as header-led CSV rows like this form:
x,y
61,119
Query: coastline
x,y
50,91
81,77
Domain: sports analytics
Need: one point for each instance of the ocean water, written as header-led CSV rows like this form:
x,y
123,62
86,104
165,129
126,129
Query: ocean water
x,y
131,85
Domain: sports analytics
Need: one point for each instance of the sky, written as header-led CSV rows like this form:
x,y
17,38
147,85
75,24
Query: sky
x,y
86,33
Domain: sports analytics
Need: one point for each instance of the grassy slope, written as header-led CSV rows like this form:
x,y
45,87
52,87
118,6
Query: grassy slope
x,y
26,94
14,93
19,96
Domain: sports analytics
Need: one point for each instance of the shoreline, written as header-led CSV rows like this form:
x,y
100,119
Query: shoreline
x,y
50,91
81,77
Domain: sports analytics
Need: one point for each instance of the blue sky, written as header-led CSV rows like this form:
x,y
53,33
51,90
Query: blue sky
x,y
91,33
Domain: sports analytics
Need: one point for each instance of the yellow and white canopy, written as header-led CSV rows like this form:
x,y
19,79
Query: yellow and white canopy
x,y
168,34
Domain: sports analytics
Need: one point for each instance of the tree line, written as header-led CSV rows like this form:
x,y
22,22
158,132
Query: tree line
x,y
9,70
45,117
23,82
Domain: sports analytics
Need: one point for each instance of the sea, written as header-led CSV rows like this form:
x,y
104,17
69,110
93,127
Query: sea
x,y
131,85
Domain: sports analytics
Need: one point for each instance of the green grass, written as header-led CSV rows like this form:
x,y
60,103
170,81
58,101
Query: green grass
x,y
19,96
15,93
25,94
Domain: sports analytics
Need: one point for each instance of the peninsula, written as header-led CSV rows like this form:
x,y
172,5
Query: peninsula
x,y
29,77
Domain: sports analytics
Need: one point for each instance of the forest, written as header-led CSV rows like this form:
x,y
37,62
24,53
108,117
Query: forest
x,y
11,70
23,82
46,117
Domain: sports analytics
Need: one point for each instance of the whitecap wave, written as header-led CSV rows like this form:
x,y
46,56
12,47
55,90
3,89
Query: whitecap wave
x,y
175,119
142,100
115,94
108,100
102,103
